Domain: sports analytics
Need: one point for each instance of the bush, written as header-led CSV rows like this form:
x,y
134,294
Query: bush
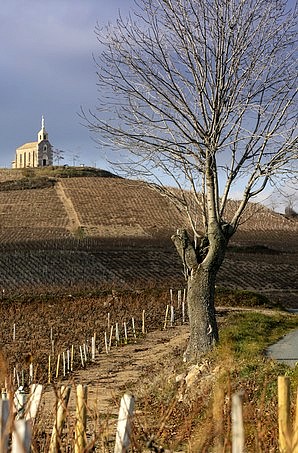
x,y
28,172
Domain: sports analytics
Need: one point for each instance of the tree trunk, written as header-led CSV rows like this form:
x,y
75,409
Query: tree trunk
x,y
200,268
201,311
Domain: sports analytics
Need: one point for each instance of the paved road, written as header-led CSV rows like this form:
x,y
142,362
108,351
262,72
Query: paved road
x,y
286,350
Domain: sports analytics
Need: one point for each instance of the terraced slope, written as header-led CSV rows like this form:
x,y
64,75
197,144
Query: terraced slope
x,y
8,174
108,207
88,231
35,214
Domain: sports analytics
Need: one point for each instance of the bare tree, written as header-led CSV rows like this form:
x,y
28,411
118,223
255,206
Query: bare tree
x,y
58,155
204,92
284,197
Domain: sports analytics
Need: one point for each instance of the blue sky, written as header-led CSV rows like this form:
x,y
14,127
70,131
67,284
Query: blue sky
x,y
46,68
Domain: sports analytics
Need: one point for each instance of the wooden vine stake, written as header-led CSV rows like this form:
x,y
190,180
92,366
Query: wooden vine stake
x,y
81,419
284,409
85,352
81,355
58,366
111,337
31,373
21,436
183,306
179,297
123,433
4,418
237,424
117,334
60,419
49,370
218,414
133,327
64,363
106,343
71,357
33,402
125,333
68,360
19,401
143,322
166,318
172,318
93,347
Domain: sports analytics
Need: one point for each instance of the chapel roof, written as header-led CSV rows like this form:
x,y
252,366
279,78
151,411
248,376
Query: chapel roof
x,y
28,145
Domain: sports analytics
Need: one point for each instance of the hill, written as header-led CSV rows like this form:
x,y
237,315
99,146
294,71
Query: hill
x,y
67,227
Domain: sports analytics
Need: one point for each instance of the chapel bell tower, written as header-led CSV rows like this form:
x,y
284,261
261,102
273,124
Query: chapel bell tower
x,y
42,134
45,151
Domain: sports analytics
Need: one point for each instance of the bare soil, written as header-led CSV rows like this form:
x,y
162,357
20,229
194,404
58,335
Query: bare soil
x,y
123,369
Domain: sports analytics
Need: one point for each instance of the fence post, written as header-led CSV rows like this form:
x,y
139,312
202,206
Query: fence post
x,y
49,369
81,419
218,415
21,436
60,419
284,423
33,402
20,398
143,322
123,433
4,416
237,424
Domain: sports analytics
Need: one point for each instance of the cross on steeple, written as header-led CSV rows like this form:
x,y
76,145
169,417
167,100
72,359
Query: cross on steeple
x,y
42,134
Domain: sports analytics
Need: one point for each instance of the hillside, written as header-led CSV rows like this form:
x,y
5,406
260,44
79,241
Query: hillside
x,y
64,231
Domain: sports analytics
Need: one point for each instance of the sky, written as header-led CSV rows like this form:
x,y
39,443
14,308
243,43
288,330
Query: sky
x,y
47,68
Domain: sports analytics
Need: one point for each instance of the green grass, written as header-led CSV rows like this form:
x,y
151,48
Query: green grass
x,y
240,364
240,298
28,182
243,344
39,178
250,333
71,172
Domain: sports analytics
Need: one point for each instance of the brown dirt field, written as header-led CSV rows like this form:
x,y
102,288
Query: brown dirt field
x,y
86,232
122,370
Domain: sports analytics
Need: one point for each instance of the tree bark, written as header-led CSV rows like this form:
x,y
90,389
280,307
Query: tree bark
x,y
200,269
201,312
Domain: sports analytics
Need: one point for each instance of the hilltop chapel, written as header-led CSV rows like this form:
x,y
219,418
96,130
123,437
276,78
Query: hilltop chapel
x,y
35,154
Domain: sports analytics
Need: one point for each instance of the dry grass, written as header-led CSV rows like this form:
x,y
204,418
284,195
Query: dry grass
x,y
168,413
197,418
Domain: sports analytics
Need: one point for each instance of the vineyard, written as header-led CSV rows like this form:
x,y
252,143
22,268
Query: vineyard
x,y
138,347
38,335
87,262
85,232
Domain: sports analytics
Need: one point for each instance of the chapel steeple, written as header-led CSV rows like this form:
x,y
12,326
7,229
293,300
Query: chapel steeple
x,y
35,154
42,134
